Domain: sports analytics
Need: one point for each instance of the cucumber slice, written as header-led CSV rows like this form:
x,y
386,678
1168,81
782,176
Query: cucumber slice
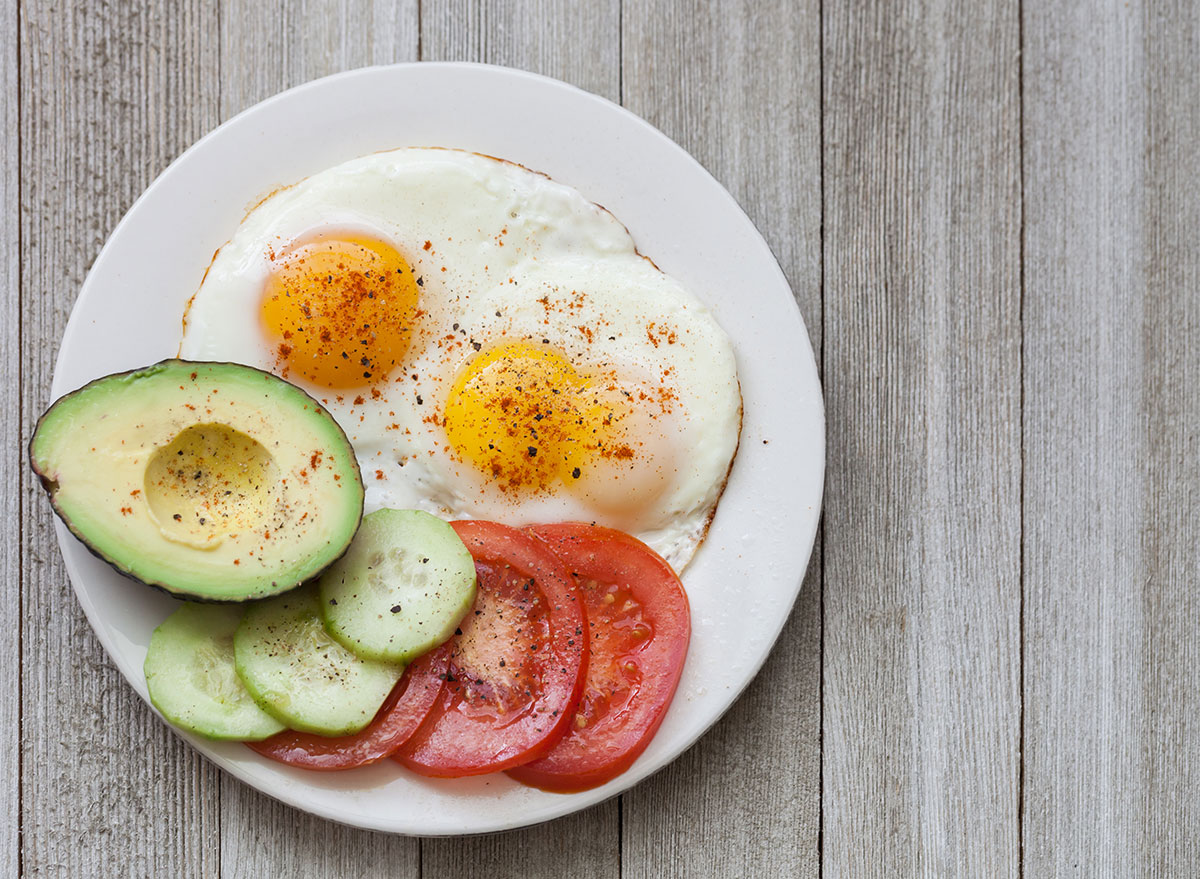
x,y
192,680
401,589
301,676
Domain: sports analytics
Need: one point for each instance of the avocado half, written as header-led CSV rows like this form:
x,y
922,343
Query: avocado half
x,y
212,481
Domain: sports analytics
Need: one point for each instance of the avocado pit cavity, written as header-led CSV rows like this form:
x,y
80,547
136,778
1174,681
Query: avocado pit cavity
x,y
209,481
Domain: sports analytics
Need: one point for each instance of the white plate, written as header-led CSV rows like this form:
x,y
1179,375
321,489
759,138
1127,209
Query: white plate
x,y
745,578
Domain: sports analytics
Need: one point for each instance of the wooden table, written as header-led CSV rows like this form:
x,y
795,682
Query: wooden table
x,y
990,215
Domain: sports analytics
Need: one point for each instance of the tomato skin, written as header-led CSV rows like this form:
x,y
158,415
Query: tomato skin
x,y
398,718
514,682
638,640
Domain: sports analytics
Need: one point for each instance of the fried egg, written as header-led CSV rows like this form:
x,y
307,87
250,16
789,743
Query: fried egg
x,y
492,343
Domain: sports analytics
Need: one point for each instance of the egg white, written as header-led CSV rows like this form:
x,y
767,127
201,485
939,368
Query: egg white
x,y
511,255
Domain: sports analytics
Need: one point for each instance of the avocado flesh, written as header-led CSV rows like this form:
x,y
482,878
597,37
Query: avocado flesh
x,y
209,480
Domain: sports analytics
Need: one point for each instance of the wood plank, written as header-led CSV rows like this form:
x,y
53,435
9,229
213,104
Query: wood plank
x,y
740,89
11,465
266,48
261,837
922,503
1170,532
1112,330
583,844
108,96
544,36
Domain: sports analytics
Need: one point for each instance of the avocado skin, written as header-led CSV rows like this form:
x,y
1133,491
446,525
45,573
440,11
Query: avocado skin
x,y
51,486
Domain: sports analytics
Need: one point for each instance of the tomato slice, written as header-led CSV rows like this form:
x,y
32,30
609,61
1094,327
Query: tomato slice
x,y
639,626
517,662
397,719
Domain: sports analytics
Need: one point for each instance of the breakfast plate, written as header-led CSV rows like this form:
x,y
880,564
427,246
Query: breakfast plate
x,y
745,577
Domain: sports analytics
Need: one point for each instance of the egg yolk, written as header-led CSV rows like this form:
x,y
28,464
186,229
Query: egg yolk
x,y
341,310
527,419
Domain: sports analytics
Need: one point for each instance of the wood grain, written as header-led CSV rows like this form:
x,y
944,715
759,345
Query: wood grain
x,y
12,463
1083,377
108,96
544,36
688,68
261,837
266,48
1112,328
922,504
1170,507
584,844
